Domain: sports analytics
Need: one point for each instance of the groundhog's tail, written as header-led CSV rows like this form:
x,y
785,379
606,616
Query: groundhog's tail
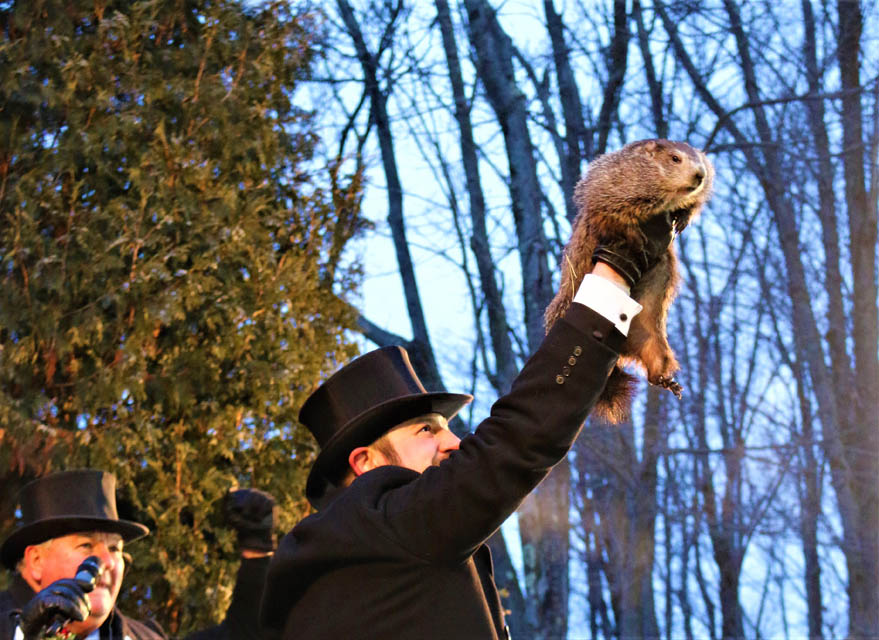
x,y
615,402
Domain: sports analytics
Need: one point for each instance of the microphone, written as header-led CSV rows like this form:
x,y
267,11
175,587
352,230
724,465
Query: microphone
x,y
87,573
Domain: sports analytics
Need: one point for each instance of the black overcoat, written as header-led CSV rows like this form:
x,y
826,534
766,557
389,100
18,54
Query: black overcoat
x,y
117,626
401,555
242,616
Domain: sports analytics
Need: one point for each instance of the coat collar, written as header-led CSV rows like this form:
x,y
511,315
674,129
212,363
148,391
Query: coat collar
x,y
20,590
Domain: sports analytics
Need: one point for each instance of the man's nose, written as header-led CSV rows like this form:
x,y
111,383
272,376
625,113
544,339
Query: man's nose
x,y
450,441
108,558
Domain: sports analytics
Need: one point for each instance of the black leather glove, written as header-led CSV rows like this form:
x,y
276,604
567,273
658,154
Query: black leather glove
x,y
251,513
632,262
61,602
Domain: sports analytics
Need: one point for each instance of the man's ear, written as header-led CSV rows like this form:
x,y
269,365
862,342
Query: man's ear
x,y
363,459
32,565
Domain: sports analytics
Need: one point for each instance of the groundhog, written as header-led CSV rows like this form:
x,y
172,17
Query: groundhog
x,y
619,191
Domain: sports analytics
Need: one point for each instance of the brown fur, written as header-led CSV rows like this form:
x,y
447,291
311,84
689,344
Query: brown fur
x,y
619,191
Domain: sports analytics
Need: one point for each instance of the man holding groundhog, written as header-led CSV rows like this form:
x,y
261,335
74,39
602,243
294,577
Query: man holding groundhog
x,y
396,548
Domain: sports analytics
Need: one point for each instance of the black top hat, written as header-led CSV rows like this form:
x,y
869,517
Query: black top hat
x,y
67,502
360,403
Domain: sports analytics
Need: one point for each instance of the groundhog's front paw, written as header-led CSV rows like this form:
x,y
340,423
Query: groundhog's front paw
x,y
671,384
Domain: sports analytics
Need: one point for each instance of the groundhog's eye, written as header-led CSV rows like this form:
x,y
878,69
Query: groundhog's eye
x,y
676,158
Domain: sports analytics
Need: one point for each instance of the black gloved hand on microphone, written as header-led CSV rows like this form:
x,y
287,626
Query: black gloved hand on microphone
x,y
632,262
60,603
251,513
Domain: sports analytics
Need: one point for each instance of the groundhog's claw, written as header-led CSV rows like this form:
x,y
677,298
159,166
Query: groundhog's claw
x,y
671,384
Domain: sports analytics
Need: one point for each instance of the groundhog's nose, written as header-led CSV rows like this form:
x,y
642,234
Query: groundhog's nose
x,y
698,176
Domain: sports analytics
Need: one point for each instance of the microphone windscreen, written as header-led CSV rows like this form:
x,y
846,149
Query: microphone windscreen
x,y
87,573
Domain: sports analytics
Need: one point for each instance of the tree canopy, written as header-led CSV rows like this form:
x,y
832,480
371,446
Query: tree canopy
x,y
170,260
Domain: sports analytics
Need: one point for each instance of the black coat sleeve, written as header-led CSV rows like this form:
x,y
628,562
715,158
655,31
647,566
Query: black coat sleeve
x,y
449,510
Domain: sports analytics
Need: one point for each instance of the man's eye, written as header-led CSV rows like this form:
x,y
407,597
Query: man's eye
x,y
85,545
426,427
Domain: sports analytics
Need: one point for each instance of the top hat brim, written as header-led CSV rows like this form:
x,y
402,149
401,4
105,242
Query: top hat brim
x,y
370,425
48,528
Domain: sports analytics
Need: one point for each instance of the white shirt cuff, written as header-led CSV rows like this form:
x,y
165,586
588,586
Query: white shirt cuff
x,y
607,299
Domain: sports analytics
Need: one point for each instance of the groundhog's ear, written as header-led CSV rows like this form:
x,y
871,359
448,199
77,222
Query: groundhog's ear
x,y
651,146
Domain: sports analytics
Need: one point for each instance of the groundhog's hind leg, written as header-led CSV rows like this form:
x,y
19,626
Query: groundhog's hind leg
x,y
647,342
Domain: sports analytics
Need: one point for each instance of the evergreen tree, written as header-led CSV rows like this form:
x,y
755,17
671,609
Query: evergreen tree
x,y
169,258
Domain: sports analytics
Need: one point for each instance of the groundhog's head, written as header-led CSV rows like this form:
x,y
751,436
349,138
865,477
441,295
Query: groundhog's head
x,y
647,177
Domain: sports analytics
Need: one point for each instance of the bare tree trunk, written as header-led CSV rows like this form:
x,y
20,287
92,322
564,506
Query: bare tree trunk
x,y
644,511
861,439
543,516
505,359
722,514
544,527
578,144
839,359
840,364
628,510
728,554
630,514
599,618
660,123
595,499
420,349
593,549
494,61
687,543
616,68
624,497
810,512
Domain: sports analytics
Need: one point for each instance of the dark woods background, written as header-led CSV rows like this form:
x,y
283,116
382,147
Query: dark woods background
x,y
180,249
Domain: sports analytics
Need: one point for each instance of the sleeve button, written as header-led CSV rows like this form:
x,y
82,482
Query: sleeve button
x,y
597,334
559,380
577,351
566,371
572,361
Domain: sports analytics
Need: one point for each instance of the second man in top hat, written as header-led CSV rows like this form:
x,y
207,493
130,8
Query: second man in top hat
x,y
68,517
